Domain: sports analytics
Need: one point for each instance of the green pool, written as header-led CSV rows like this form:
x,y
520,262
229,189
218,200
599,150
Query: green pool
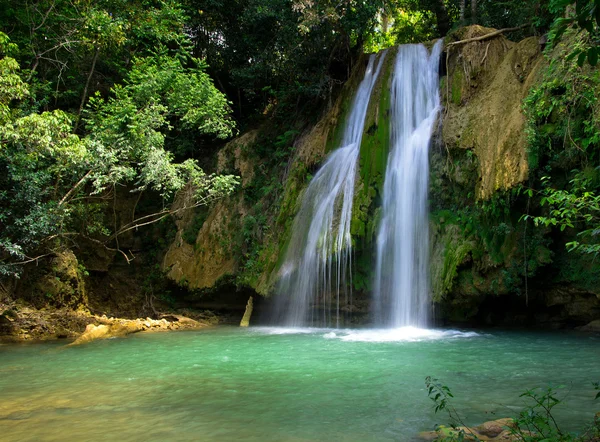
x,y
269,384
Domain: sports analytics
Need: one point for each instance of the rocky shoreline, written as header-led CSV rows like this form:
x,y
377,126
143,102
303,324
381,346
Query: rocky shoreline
x,y
26,324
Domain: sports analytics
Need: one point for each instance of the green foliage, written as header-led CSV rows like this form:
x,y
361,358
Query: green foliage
x,y
401,22
535,423
190,233
440,395
484,240
564,146
575,206
134,121
274,52
68,44
253,230
583,15
49,173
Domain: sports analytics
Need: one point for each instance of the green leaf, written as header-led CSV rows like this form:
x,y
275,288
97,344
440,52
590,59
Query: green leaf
x,y
573,54
593,56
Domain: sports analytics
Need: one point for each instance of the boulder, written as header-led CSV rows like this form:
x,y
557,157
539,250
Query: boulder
x,y
593,326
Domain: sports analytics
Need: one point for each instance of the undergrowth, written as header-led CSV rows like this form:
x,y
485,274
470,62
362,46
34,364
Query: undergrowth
x,y
537,422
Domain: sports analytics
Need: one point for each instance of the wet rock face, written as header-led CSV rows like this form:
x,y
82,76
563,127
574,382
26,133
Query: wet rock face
x,y
576,305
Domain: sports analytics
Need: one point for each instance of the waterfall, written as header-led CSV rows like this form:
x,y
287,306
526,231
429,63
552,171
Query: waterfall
x,y
316,270
401,285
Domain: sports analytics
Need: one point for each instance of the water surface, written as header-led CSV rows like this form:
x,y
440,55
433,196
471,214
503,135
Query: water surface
x,y
268,384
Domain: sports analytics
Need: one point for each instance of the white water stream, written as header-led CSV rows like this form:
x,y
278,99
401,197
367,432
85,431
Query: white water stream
x,y
401,286
316,270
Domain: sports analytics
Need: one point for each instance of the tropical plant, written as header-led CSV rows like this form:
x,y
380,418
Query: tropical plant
x,y
52,179
535,423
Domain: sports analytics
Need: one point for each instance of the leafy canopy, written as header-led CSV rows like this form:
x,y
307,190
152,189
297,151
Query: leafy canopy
x,y
48,173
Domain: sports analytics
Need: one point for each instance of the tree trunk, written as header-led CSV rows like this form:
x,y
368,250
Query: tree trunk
x,y
442,18
474,11
385,22
462,12
87,85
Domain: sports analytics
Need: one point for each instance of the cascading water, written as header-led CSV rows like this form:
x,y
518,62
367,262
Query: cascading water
x,y
401,276
317,264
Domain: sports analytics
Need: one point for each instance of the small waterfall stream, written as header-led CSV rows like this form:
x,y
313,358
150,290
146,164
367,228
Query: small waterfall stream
x,y
316,269
402,260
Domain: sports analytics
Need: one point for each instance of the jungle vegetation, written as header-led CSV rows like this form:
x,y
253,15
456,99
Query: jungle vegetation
x,y
103,99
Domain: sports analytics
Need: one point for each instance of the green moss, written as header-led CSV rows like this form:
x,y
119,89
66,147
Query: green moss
x,y
455,255
457,85
190,233
334,137
374,151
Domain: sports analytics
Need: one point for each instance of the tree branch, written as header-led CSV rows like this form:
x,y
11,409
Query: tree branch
x,y
74,188
139,222
87,85
486,36
45,17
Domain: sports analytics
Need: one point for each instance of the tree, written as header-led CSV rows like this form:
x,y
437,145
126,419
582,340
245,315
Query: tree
x,y
277,55
50,176
564,139
71,49
583,16
579,206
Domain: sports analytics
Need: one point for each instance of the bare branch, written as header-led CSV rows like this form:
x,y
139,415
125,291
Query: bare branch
x,y
45,17
27,261
74,188
157,216
87,85
486,36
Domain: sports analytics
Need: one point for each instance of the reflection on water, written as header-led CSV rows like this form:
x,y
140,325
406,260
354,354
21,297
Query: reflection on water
x,y
269,384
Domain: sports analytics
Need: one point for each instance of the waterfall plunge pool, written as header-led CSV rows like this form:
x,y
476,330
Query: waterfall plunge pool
x,y
274,384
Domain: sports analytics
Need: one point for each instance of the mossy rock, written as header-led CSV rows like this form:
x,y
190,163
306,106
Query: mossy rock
x,y
374,152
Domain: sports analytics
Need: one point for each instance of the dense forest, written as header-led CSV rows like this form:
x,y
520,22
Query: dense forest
x,y
175,164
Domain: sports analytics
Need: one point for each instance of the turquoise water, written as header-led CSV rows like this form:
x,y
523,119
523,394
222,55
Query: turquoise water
x,y
263,384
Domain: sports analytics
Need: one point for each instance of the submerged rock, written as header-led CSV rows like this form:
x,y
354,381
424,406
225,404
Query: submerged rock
x,y
497,430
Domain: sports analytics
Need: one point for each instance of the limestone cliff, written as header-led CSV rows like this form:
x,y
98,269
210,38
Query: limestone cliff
x,y
483,95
